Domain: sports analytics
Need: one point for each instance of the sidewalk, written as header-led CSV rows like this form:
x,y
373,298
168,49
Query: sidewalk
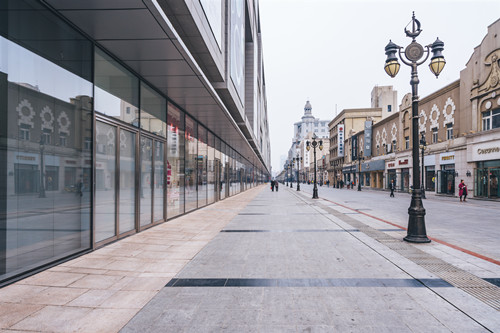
x,y
281,263
103,290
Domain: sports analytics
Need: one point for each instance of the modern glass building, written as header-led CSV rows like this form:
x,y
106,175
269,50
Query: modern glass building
x,y
119,115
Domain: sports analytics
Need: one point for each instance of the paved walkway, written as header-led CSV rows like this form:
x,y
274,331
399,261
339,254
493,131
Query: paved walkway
x,y
261,261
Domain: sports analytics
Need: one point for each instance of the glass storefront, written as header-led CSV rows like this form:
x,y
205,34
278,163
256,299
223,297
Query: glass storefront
x,y
446,179
126,218
202,166
391,176
405,180
486,178
191,163
175,162
74,116
430,178
45,116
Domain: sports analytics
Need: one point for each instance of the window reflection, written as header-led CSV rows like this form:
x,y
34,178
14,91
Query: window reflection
x,y
44,169
201,159
127,181
116,89
175,162
153,115
146,180
190,171
105,190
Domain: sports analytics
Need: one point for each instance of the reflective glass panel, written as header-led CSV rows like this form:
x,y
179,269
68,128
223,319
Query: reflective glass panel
x,y
175,162
202,166
153,111
127,181
105,194
211,190
45,116
159,188
146,180
191,164
116,89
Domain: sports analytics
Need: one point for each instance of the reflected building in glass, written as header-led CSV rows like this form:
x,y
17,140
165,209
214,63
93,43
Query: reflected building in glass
x,y
107,132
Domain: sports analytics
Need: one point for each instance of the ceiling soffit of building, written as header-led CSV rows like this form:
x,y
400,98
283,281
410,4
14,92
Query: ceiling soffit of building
x,y
140,35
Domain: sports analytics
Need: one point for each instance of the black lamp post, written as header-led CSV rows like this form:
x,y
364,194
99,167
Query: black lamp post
x,y
290,172
423,145
359,170
41,193
286,173
297,160
314,144
413,53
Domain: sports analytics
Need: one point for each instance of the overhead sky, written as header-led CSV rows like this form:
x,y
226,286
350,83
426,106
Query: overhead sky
x,y
331,52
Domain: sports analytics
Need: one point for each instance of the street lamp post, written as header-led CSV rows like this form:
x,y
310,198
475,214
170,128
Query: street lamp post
x,y
41,193
290,172
359,171
286,173
413,53
297,160
423,145
314,144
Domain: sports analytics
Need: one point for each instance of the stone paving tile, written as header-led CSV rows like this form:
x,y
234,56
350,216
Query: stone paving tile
x,y
54,296
11,314
96,281
53,319
51,278
92,298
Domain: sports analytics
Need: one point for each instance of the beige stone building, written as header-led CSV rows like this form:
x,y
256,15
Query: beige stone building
x,y
341,129
460,124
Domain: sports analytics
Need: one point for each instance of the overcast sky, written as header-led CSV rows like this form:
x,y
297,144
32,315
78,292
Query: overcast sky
x,y
331,52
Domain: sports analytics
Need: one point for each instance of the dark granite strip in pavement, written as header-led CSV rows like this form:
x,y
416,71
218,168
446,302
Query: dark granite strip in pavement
x,y
337,282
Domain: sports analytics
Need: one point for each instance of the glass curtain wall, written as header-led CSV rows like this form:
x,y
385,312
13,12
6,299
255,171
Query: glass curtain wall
x,y
202,166
223,170
126,208
45,120
116,96
154,120
175,162
211,169
105,176
146,179
190,171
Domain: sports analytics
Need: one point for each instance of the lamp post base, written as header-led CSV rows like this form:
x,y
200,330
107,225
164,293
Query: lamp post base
x,y
298,186
359,187
315,193
416,220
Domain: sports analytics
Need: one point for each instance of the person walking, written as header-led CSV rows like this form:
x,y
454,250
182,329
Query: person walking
x,y
462,190
277,186
391,187
272,185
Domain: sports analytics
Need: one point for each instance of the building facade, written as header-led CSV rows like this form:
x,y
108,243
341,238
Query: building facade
x,y
459,134
108,128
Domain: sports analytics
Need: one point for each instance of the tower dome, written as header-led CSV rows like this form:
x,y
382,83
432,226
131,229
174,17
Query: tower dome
x,y
307,108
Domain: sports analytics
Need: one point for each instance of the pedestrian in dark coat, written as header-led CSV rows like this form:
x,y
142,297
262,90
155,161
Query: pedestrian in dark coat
x,y
277,186
272,185
391,187
462,190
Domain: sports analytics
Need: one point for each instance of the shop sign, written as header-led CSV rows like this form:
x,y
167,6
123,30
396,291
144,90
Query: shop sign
x,y
486,151
403,162
341,139
368,138
447,158
26,158
429,160
391,165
